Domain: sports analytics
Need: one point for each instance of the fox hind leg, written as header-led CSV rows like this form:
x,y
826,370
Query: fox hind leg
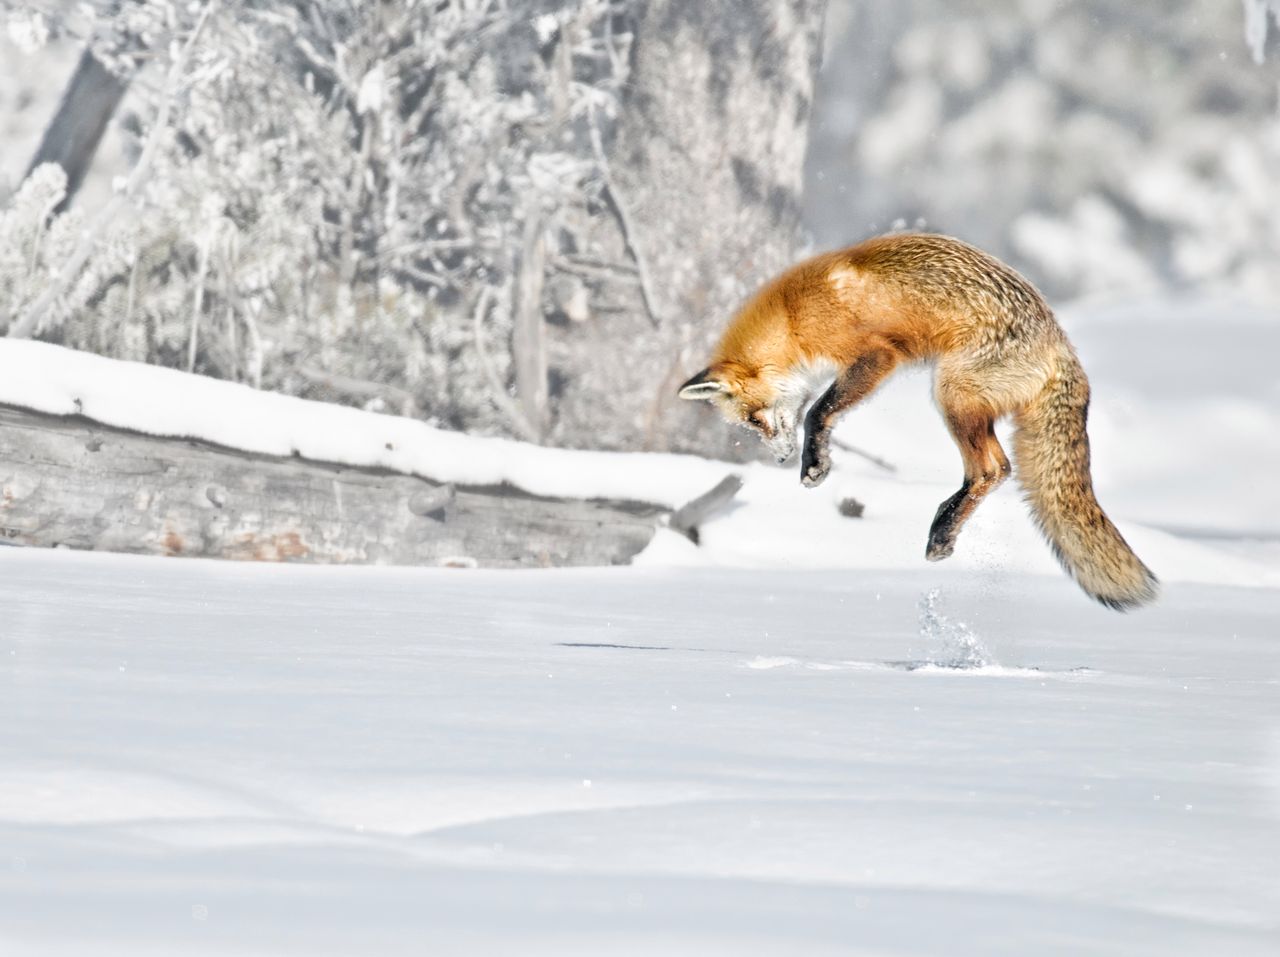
x,y
985,467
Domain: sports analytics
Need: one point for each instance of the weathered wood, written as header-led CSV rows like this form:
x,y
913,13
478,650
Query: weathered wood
x,y
529,332
688,517
67,481
72,137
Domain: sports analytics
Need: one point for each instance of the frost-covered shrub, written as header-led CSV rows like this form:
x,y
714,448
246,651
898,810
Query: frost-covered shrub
x,y
342,200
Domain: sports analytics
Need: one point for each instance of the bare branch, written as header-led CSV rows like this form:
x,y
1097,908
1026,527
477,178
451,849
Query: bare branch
x,y
497,391
605,272
624,218
360,388
422,276
197,307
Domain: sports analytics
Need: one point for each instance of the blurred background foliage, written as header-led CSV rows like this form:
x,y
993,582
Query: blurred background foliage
x,y
1100,146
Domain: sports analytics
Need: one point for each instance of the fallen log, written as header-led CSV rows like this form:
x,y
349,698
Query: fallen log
x,y
68,481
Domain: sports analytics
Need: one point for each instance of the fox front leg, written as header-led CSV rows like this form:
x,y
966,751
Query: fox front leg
x,y
851,386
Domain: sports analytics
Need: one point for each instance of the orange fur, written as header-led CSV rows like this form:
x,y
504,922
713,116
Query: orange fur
x,y
997,350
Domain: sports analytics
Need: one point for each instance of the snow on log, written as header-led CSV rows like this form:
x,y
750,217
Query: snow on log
x,y
104,454
69,481
165,402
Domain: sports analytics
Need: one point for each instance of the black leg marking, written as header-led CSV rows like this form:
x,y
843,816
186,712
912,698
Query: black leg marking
x,y
850,387
815,460
942,538
985,467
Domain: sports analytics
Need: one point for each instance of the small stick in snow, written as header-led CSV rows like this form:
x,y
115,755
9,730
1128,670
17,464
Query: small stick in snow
x,y
689,516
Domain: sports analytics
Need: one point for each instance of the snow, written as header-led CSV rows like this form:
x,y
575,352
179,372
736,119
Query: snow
x,y
205,758
372,95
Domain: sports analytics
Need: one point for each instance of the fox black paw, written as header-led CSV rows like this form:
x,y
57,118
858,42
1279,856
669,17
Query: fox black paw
x,y
939,548
813,469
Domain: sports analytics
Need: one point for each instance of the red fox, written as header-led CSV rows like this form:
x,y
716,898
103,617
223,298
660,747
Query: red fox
x,y
858,313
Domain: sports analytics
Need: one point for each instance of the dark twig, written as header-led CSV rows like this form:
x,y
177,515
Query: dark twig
x,y
873,459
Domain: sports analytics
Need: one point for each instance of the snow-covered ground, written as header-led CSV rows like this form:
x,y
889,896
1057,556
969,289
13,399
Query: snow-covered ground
x,y
782,742
217,758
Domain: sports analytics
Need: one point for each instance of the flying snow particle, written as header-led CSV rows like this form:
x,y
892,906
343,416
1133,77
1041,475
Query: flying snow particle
x,y
960,647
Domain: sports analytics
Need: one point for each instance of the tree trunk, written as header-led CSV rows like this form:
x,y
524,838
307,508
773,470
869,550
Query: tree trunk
x,y
72,137
528,334
709,158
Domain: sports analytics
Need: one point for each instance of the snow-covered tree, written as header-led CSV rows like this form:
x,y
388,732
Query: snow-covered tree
x,y
414,204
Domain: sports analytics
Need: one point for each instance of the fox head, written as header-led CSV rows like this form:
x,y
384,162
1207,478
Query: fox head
x,y
749,398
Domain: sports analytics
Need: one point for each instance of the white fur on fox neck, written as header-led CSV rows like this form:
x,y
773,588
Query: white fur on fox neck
x,y
793,390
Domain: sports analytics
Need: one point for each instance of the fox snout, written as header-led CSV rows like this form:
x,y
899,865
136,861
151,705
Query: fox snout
x,y
778,436
782,446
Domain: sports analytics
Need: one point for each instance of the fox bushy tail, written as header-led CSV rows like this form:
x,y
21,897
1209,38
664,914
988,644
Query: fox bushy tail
x,y
1052,457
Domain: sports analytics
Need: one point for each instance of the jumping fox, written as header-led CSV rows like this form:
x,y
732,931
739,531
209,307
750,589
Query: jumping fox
x,y
858,313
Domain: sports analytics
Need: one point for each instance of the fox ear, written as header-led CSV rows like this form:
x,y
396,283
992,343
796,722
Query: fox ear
x,y
702,386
